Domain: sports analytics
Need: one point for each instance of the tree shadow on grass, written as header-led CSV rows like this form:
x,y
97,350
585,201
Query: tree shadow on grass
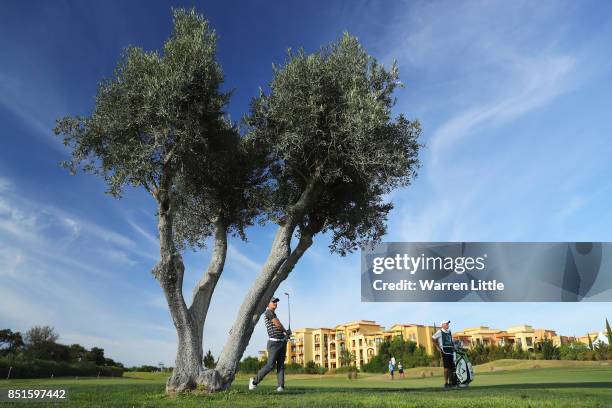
x,y
487,388
594,384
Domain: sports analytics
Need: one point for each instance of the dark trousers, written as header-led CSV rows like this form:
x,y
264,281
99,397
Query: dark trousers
x,y
276,355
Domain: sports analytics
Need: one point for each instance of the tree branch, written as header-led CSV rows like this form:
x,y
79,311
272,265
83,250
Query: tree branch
x,y
170,270
203,291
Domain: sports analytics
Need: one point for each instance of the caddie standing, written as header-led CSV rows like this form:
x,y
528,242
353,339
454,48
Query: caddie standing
x,y
276,347
443,340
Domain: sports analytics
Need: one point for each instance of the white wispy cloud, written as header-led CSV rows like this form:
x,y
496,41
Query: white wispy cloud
x,y
235,255
26,103
5,184
9,260
147,235
498,63
534,84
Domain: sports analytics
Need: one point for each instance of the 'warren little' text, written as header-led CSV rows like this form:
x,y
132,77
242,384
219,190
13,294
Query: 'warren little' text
x,y
432,285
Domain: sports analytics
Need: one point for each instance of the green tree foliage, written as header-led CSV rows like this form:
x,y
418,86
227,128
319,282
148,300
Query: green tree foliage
x,y
144,368
41,346
209,360
327,123
48,350
40,334
609,333
347,358
548,350
313,368
96,355
573,351
405,351
150,115
77,352
159,123
484,353
10,342
250,365
32,368
40,342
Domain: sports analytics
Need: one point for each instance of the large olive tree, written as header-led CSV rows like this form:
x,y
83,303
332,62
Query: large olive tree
x,y
158,123
335,154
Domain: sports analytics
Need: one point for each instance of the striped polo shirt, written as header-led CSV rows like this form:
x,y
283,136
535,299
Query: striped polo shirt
x,y
273,331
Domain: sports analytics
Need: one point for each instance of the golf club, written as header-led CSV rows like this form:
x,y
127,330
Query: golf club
x,y
288,310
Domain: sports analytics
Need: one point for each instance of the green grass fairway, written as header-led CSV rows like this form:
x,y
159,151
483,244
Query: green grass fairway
x,y
502,383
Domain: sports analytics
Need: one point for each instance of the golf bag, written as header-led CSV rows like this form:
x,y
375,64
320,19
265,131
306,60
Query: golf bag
x,y
464,372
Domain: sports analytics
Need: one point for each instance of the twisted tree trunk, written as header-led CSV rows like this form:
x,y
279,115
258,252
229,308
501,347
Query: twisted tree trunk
x,y
202,293
169,272
189,322
281,261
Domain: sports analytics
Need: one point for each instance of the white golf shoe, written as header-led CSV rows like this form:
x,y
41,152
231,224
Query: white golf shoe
x,y
280,389
252,385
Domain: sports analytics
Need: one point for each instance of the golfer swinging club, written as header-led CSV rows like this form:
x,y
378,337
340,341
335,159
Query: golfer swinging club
x,y
443,340
276,347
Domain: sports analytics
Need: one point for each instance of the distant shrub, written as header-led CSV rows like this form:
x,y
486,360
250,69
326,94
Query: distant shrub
x,y
314,368
144,369
22,368
250,365
548,350
405,351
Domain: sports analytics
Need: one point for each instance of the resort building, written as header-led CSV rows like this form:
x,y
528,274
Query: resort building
x,y
524,335
324,345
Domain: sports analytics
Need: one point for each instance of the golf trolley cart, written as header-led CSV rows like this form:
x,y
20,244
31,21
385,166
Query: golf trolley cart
x,y
464,373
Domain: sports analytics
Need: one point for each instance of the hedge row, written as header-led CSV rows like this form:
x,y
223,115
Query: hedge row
x,y
47,368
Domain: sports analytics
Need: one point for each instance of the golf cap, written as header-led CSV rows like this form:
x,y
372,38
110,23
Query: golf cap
x,y
274,299
444,322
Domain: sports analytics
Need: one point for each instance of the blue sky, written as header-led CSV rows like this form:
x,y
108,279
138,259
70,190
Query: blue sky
x,y
514,99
